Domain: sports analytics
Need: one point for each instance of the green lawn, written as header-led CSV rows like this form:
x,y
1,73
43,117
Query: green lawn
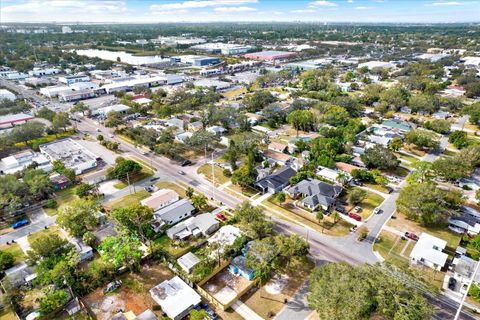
x,y
377,187
17,252
7,315
172,186
372,201
53,229
407,157
390,246
206,170
174,249
399,171
62,196
119,185
128,200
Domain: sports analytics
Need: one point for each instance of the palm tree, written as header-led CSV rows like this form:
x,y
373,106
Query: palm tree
x,y
335,217
342,178
320,217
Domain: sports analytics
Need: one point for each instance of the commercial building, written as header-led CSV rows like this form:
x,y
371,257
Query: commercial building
x,y
175,297
308,64
196,61
53,91
428,251
21,160
376,65
13,119
120,108
70,153
178,40
5,94
270,55
222,48
37,72
83,86
68,96
68,80
129,85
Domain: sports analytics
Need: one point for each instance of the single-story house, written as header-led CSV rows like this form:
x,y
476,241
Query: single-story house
x,y
172,214
226,235
406,110
188,261
183,137
278,157
160,199
441,115
174,122
203,224
85,252
329,174
175,297
146,315
195,126
59,181
277,147
316,194
428,251
346,167
20,275
217,130
276,181
239,266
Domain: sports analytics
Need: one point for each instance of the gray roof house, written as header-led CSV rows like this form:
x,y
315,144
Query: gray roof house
x,y
276,181
188,261
203,224
316,193
172,214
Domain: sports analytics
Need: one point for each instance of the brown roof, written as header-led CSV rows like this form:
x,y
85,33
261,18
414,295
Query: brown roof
x,y
159,197
345,167
276,146
276,155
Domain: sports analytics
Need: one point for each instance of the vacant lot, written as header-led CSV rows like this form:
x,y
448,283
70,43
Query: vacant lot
x,y
132,296
133,198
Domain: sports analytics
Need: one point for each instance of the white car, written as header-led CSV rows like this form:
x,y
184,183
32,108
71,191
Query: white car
x,y
377,211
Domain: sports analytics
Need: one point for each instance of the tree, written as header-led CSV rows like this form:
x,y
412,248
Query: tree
x,y
61,120
422,139
53,301
59,167
78,216
335,216
301,120
341,291
439,126
189,192
258,100
135,220
427,204
114,119
356,196
450,168
89,239
79,107
232,154
477,196
362,233
46,246
379,157
423,102
7,260
336,116
198,315
27,131
199,201
125,169
252,221
280,197
84,189
395,144
121,251
458,139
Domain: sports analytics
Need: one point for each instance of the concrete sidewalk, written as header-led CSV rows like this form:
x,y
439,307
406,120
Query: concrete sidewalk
x,y
243,310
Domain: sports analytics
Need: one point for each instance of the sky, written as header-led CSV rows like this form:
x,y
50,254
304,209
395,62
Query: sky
x,y
158,11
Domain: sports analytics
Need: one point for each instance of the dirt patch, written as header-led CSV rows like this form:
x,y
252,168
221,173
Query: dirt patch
x,y
277,284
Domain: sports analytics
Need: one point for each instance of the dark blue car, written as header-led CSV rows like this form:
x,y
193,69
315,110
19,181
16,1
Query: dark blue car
x,y
20,224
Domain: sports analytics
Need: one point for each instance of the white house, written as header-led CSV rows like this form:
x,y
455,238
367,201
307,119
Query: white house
x,y
160,199
203,224
175,297
428,251
188,261
5,94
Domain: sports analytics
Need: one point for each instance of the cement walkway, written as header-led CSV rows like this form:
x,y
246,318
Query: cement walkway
x,y
243,310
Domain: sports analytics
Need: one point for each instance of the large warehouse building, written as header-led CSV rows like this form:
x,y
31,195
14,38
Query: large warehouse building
x,y
270,55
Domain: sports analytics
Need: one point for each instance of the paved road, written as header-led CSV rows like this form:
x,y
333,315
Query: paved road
x,y
25,231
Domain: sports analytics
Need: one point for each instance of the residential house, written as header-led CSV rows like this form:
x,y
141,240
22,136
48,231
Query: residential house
x,y
464,267
85,252
183,137
472,182
441,115
315,194
203,224
175,297
195,126
276,181
238,266
175,122
19,275
146,315
216,130
277,157
160,199
346,167
172,214
428,251
59,181
188,261
226,235
403,126
328,174
466,221
277,147
406,110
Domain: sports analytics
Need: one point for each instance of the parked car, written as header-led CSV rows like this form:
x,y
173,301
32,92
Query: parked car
x,y
221,217
389,190
355,216
377,211
341,210
149,189
185,163
357,209
209,311
181,172
411,236
20,224
452,282
112,286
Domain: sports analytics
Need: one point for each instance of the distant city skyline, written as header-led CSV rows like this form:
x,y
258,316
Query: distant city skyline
x,y
150,11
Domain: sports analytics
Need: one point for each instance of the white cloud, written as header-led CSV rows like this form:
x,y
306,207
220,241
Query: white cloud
x,y
362,8
234,9
450,3
350,1
304,11
199,4
323,3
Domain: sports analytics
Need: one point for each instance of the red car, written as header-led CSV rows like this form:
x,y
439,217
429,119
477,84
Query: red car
x,y
355,216
411,236
221,217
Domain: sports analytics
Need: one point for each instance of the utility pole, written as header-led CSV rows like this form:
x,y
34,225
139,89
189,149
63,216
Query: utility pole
x,y
128,181
213,177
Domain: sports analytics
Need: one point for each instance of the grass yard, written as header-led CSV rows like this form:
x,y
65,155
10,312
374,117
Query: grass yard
x,y
17,252
287,210
269,299
48,138
247,191
390,246
62,196
175,249
173,186
53,229
449,152
125,138
377,187
119,185
206,170
7,315
398,171
234,93
133,198
415,151
403,224
372,201
407,157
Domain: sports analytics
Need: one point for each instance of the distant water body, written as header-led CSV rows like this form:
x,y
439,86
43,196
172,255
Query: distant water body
x,y
124,56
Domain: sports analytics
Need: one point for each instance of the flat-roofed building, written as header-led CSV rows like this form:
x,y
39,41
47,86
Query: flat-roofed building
x,y
21,160
68,96
54,91
68,80
38,72
14,119
270,55
70,153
